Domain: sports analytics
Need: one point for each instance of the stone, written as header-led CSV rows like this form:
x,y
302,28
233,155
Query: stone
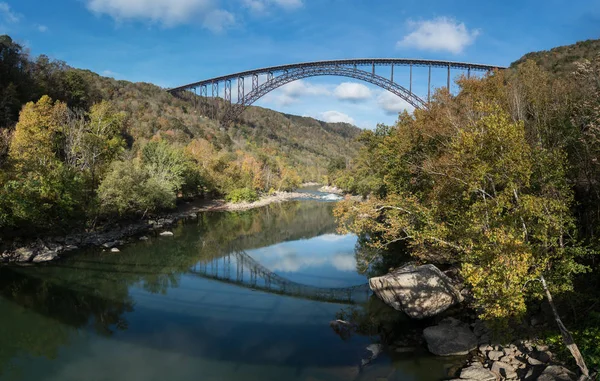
x,y
45,256
477,373
110,244
503,369
166,234
375,350
70,248
24,254
534,362
450,338
115,250
143,238
418,291
495,355
556,373
483,348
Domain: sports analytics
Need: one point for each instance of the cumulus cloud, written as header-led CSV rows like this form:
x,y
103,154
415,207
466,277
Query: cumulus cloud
x,y
7,15
336,117
42,28
168,13
291,92
439,34
353,92
392,104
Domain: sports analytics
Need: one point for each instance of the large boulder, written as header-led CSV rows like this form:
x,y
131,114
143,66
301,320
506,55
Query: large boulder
x,y
557,373
418,291
450,338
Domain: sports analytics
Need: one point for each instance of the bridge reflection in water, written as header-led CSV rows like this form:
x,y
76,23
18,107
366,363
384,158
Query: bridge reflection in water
x,y
239,268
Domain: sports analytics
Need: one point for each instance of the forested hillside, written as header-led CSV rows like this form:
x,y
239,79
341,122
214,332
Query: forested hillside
x,y
77,147
561,60
501,181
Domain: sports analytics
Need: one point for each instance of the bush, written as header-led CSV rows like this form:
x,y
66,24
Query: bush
x,y
129,188
242,194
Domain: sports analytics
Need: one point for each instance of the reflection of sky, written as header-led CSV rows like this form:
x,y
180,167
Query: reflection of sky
x,y
324,261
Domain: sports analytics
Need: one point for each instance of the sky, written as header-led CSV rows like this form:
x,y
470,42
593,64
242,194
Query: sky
x,y
175,42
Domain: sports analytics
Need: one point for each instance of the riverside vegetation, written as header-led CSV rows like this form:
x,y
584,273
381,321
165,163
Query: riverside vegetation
x,y
501,181
78,149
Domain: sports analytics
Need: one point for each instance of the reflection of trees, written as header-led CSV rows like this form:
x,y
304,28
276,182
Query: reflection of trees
x,y
91,290
266,226
36,312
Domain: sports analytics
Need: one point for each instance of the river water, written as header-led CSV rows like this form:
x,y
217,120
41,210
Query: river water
x,y
232,296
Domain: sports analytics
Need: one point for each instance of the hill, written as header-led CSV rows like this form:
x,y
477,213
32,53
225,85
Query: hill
x,y
76,146
560,60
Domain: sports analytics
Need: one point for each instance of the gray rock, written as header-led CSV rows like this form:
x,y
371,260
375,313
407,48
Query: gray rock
x,y
534,362
375,350
495,355
110,244
24,254
166,234
477,373
418,291
483,348
557,373
115,250
70,248
45,256
143,238
450,338
503,369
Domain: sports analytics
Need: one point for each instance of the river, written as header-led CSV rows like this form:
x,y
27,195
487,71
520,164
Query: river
x,y
232,296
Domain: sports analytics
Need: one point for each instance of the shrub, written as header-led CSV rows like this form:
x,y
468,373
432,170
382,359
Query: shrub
x,y
242,194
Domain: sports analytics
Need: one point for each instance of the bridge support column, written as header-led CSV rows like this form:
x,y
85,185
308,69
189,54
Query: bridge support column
x,y
448,85
410,81
227,94
429,85
254,82
215,94
468,72
392,78
240,94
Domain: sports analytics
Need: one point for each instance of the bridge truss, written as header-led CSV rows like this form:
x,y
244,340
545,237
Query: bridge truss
x,y
239,268
277,76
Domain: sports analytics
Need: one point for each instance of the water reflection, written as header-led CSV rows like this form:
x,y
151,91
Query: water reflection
x,y
144,314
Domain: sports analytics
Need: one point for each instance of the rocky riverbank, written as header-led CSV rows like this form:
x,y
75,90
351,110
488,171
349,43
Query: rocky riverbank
x,y
118,234
424,292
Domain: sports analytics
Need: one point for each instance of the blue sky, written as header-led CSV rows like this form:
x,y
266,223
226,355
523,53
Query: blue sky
x,y
173,42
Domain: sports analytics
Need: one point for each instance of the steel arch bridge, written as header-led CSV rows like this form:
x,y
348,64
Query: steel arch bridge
x,y
277,76
231,267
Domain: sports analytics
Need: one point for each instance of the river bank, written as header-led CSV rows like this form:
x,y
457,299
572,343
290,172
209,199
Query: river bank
x,y
112,236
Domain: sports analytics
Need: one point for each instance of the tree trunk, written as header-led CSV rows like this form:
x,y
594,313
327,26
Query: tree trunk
x,y
566,335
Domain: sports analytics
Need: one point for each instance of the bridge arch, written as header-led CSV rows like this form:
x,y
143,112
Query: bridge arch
x,y
294,75
278,76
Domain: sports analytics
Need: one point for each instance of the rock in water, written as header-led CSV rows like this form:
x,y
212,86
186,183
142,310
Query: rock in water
x,y
418,291
450,338
115,250
557,373
166,234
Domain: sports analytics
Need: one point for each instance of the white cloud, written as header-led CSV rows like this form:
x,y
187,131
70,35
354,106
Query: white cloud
x,y
353,92
336,117
262,6
42,28
218,20
441,33
7,15
291,92
166,12
109,73
393,104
